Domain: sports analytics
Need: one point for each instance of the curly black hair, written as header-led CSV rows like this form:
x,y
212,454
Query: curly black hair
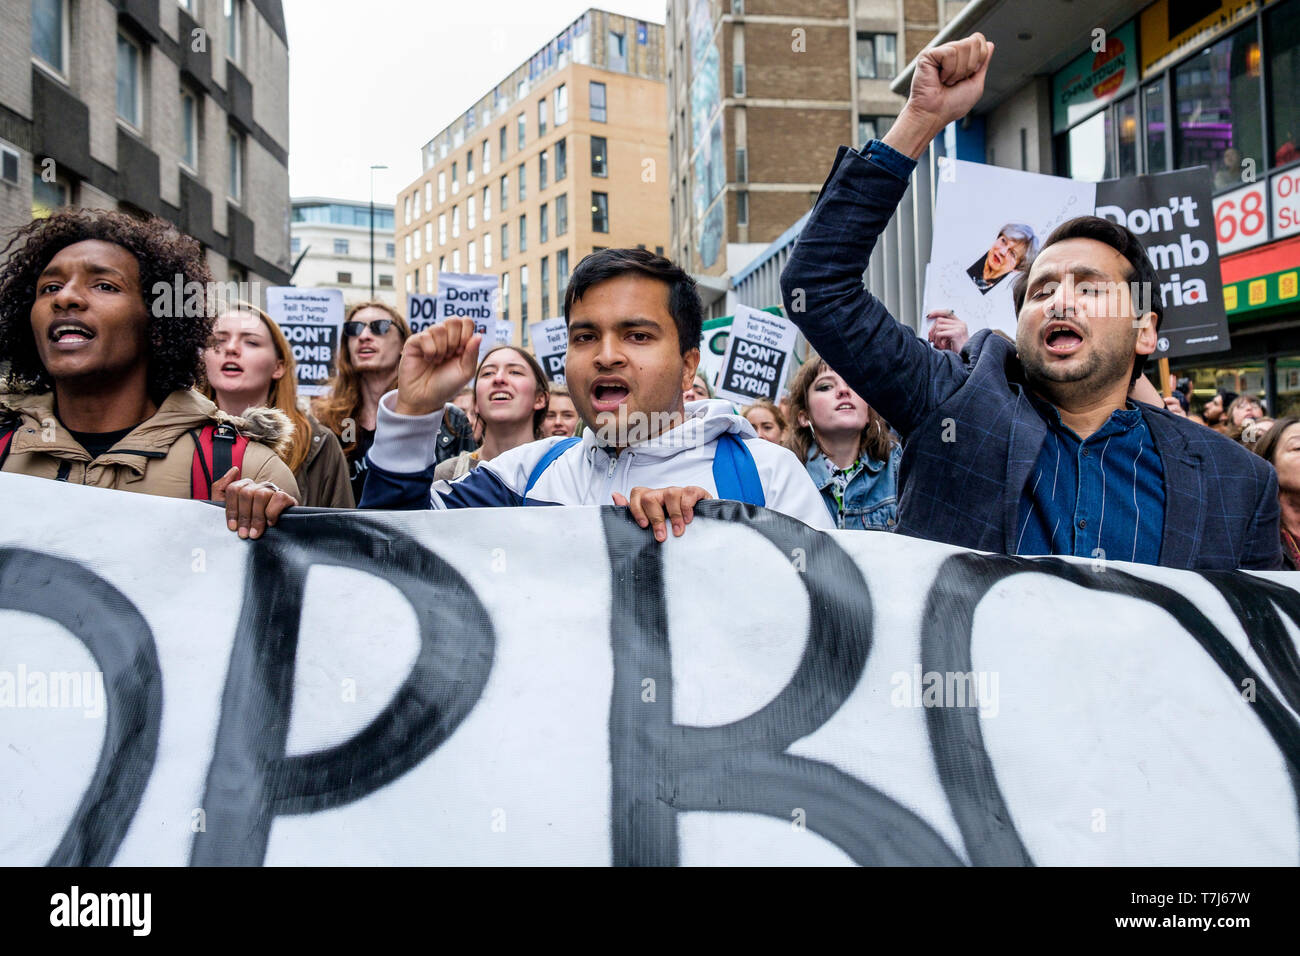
x,y
163,253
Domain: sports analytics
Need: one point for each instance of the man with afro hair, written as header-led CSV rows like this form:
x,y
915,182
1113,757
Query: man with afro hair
x,y
101,369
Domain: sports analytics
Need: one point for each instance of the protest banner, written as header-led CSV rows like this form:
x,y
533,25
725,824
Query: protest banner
x,y
979,208
470,296
550,344
423,688
312,321
421,311
1172,215
759,351
713,348
502,333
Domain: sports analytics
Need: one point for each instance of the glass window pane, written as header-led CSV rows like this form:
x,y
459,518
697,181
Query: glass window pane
x,y
128,81
1088,150
886,59
866,57
1157,129
1282,26
47,31
1216,97
1126,125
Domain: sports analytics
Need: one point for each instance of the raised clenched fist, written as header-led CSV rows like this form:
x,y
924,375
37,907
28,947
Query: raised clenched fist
x,y
435,365
947,83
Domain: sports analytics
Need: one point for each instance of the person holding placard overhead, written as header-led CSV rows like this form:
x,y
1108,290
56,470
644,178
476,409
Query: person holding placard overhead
x,y
1032,446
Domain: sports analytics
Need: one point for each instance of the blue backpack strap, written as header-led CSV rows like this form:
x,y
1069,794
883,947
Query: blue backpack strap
x,y
555,451
735,475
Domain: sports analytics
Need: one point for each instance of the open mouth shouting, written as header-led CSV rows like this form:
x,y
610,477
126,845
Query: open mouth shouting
x,y
500,396
231,369
608,393
70,334
1062,339
366,351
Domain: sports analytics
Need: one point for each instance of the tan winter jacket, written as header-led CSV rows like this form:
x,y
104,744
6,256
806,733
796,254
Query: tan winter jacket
x,y
154,459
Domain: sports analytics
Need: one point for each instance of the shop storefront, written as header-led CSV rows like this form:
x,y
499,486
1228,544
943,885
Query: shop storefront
x,y
1217,88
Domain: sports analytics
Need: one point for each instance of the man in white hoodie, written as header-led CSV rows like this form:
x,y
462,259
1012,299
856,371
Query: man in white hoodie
x,y
634,330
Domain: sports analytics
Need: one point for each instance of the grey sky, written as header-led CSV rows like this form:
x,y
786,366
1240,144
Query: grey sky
x,y
372,82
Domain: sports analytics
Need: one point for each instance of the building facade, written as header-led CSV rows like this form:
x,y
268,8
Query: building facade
x,y
566,155
330,245
760,95
175,108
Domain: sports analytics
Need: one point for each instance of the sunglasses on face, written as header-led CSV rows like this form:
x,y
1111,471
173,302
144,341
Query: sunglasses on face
x,y
378,326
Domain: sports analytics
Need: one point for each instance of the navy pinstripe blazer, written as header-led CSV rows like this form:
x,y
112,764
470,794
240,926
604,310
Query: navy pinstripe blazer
x,y
971,436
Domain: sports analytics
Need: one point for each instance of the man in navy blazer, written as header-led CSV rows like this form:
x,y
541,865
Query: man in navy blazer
x,y
1032,447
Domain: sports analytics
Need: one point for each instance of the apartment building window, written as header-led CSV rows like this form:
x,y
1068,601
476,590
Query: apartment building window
x,y
541,116
737,8
523,294
48,197
873,127
386,281
487,251
189,130
469,167
487,157
235,164
455,260
742,208
295,245
877,58
428,197
543,223
600,212
505,240
523,233
616,51
521,126
415,202
487,203
541,171
561,274
505,190
50,33
505,295
129,85
470,205
234,29
428,236
561,214
599,157
742,165
442,186
410,282
390,250
523,183
442,228
738,79
455,222
455,178
561,105
561,159
415,238
473,256
428,277
345,278
546,288
409,257
340,247
501,144
442,264
596,98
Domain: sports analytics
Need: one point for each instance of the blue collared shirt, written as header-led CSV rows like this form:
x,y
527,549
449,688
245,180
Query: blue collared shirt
x,y
1098,497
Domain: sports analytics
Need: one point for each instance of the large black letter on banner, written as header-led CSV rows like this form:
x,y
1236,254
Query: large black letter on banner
x,y
661,769
251,780
962,581
117,636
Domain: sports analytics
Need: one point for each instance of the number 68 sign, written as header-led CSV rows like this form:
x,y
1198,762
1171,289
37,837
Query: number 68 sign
x,y
1241,218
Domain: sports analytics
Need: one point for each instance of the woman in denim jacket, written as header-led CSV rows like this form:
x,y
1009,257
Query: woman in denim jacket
x,y
849,449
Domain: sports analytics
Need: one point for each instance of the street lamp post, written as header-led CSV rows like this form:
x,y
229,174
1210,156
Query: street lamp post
x,y
372,228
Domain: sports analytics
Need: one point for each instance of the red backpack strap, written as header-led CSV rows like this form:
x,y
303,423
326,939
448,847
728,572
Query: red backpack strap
x,y
216,448
6,436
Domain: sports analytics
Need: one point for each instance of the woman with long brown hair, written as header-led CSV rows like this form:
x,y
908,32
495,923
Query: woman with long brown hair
x,y
249,364
511,397
848,448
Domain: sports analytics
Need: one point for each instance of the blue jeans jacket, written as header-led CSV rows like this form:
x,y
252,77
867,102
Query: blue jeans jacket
x,y
871,499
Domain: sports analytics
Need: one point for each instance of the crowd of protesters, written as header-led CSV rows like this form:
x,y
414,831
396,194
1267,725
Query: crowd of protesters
x,y
1007,446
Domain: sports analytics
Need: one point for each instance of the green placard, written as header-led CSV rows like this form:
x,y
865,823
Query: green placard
x,y
1106,72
